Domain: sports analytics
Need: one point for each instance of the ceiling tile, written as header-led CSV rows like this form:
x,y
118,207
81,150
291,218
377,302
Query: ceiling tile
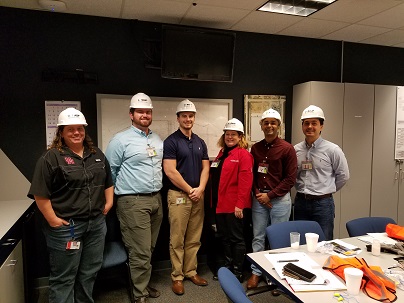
x,y
156,11
241,4
213,17
102,8
390,38
356,33
352,11
267,23
312,28
392,18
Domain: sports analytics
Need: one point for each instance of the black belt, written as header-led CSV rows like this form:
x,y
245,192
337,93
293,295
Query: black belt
x,y
140,194
313,197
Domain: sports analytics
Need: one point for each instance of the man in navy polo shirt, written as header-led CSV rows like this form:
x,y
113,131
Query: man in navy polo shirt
x,y
186,164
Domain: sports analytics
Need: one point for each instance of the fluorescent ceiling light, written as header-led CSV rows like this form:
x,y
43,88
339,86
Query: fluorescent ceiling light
x,y
295,7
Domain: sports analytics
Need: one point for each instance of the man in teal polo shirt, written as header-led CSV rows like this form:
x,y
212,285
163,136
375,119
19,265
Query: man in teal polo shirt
x,y
135,157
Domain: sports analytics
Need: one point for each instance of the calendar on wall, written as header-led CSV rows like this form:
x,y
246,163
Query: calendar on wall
x,y
52,111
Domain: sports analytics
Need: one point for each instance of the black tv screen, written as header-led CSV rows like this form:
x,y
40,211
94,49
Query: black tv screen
x,y
197,54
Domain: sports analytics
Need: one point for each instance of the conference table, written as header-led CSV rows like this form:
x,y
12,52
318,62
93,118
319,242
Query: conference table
x,y
385,260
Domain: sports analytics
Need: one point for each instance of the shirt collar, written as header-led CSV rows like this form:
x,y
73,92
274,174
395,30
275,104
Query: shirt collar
x,y
140,132
315,143
274,141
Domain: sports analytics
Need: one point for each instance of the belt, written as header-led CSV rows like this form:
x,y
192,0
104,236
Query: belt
x,y
140,194
313,197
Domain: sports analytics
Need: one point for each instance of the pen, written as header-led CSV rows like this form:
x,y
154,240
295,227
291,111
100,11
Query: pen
x,y
281,261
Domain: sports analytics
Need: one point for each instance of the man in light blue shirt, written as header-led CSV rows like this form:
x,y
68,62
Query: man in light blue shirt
x,y
322,170
135,157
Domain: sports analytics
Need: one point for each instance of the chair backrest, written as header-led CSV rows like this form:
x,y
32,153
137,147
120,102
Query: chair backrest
x,y
362,226
231,286
279,234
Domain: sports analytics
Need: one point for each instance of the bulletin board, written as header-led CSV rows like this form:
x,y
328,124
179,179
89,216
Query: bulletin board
x,y
254,106
211,116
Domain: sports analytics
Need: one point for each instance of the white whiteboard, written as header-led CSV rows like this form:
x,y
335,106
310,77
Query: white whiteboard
x,y
211,116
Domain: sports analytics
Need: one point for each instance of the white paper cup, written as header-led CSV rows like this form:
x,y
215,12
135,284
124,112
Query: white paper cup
x,y
294,240
353,279
311,241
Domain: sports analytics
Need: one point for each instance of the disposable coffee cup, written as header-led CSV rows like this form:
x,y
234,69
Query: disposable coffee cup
x,y
294,240
311,241
353,280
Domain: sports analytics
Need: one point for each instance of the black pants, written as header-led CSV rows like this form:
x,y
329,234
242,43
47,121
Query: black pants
x,y
231,231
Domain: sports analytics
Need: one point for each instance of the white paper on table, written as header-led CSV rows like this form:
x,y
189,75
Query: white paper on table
x,y
382,237
310,265
334,283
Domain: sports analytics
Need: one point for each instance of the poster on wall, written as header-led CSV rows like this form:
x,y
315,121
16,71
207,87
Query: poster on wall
x,y
52,111
399,146
254,106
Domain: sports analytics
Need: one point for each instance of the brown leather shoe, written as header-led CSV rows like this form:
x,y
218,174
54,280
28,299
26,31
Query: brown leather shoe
x,y
178,287
198,280
253,281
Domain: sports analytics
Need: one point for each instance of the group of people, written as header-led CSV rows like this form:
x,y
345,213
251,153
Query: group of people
x,y
75,185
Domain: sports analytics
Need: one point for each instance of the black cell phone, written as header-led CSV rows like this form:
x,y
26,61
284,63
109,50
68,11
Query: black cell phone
x,y
299,272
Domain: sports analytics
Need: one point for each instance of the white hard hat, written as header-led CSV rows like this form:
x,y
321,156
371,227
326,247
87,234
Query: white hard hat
x,y
313,112
234,124
141,100
271,113
71,116
186,106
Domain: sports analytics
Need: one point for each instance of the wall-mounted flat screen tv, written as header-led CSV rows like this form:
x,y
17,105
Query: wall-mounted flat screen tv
x,y
197,54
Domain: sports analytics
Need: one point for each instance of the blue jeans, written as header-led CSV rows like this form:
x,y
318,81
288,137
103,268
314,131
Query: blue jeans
x,y
321,211
263,216
73,272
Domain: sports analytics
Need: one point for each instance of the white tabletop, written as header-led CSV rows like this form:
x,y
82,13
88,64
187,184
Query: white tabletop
x,y
10,212
385,260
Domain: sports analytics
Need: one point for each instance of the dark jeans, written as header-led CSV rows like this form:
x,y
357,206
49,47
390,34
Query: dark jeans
x,y
321,211
73,272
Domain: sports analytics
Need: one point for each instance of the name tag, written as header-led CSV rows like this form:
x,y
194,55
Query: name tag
x,y
215,164
180,201
73,245
307,165
263,168
151,151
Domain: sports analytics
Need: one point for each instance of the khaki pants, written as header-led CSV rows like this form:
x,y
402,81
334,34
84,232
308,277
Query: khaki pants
x,y
140,219
186,222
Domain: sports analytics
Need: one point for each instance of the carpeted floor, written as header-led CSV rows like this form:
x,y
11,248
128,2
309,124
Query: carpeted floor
x,y
115,291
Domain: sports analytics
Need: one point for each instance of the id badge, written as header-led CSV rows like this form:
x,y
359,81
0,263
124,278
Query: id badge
x,y
72,244
215,164
307,165
180,201
151,151
263,168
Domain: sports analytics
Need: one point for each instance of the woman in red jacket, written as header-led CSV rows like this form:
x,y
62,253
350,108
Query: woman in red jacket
x,y
232,178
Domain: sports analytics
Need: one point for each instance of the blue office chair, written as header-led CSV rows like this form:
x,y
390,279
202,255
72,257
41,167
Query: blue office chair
x,y
231,286
362,226
115,254
279,234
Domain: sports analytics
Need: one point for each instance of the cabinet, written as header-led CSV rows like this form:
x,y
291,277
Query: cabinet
x,y
357,144
12,277
361,119
387,196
